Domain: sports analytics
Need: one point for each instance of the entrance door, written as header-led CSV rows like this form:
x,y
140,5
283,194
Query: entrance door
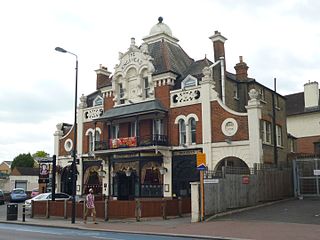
x,y
126,190
66,180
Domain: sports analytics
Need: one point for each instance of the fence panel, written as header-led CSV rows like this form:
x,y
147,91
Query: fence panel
x,y
263,185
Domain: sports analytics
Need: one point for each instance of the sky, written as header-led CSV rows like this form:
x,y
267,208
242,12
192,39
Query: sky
x,y
277,39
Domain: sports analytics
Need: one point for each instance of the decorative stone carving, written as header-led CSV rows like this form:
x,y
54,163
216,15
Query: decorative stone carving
x,y
186,96
229,127
83,101
253,94
93,113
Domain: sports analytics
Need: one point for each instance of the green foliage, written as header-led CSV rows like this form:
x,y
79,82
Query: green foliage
x,y
40,154
22,160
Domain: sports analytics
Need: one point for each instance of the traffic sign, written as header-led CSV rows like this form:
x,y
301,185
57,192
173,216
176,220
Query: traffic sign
x,y
201,161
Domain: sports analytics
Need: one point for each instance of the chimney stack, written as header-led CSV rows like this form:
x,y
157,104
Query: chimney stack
x,y
311,95
218,45
241,70
103,77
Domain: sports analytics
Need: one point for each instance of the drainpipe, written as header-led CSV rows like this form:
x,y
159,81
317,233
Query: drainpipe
x,y
223,95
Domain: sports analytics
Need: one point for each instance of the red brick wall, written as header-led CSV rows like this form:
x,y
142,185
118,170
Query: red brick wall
x,y
108,103
62,151
219,116
145,127
305,144
162,93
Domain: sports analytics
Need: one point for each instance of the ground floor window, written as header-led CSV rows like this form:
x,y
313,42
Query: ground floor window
x,y
137,179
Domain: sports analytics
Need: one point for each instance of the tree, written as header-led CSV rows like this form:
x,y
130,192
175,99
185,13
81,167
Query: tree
x,y
22,160
40,154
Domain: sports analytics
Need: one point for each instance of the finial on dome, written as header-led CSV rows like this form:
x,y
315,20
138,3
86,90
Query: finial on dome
x,y
160,19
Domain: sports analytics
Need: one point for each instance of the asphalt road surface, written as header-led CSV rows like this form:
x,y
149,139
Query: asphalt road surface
x,y
25,232
306,211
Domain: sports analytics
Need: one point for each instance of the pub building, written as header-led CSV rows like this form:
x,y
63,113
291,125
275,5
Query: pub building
x,y
140,131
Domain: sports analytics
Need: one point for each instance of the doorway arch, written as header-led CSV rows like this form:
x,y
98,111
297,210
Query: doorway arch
x,y
233,165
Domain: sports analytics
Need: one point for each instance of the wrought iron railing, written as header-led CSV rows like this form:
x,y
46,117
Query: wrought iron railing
x,y
131,142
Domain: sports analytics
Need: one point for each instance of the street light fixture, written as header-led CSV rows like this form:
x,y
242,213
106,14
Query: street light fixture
x,y
73,166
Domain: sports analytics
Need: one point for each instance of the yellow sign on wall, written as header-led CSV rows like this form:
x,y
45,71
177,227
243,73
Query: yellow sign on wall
x,y
201,161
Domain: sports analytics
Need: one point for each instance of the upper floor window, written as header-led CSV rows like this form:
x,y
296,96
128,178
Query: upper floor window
x,y
189,81
266,132
262,94
182,132
92,139
121,91
90,142
236,92
97,101
279,136
133,129
192,127
115,131
146,87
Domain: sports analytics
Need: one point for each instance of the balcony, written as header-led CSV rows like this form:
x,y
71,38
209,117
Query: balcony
x,y
132,142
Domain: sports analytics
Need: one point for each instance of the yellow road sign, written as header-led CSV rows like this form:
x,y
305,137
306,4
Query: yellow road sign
x,y
201,160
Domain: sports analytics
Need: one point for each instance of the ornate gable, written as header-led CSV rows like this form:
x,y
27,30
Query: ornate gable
x,y
132,80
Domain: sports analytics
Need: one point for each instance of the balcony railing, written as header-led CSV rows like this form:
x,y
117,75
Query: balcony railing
x,y
132,142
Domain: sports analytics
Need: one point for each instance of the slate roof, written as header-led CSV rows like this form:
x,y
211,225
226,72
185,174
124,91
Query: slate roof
x,y
91,97
134,110
169,57
26,171
295,104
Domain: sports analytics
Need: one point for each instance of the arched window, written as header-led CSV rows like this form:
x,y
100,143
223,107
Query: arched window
x,y
97,137
182,132
91,141
192,128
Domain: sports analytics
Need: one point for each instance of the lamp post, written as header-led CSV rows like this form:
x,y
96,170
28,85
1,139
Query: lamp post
x,y
74,152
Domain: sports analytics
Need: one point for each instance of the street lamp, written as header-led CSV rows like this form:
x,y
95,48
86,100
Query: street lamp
x,y
73,166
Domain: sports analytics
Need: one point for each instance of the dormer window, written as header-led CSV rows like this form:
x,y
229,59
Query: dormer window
x,y
189,81
97,101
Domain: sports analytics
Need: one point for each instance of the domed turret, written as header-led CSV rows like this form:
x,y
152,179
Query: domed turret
x,y
160,31
160,27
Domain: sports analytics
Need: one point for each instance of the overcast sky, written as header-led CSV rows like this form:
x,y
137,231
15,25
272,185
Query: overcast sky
x,y
276,38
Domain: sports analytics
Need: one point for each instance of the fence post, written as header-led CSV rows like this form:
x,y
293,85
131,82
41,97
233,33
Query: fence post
x,y
223,170
32,209
180,206
65,209
164,209
47,209
23,213
138,210
106,217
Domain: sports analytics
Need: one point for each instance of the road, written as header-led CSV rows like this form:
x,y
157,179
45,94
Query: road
x,y
306,211
25,232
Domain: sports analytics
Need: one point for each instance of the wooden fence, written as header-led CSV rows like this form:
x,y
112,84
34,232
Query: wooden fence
x,y
113,209
237,190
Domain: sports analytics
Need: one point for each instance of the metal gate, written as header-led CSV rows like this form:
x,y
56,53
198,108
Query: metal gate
x,y
306,176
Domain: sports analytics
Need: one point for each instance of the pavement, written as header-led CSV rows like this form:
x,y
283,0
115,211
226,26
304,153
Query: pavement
x,y
230,225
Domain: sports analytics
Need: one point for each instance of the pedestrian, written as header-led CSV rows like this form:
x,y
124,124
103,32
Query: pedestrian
x,y
90,208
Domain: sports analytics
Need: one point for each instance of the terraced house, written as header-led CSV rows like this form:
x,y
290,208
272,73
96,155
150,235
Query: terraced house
x,y
147,120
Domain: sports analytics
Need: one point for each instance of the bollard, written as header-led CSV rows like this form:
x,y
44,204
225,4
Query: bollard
x,y
23,213
180,206
106,217
164,209
138,210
